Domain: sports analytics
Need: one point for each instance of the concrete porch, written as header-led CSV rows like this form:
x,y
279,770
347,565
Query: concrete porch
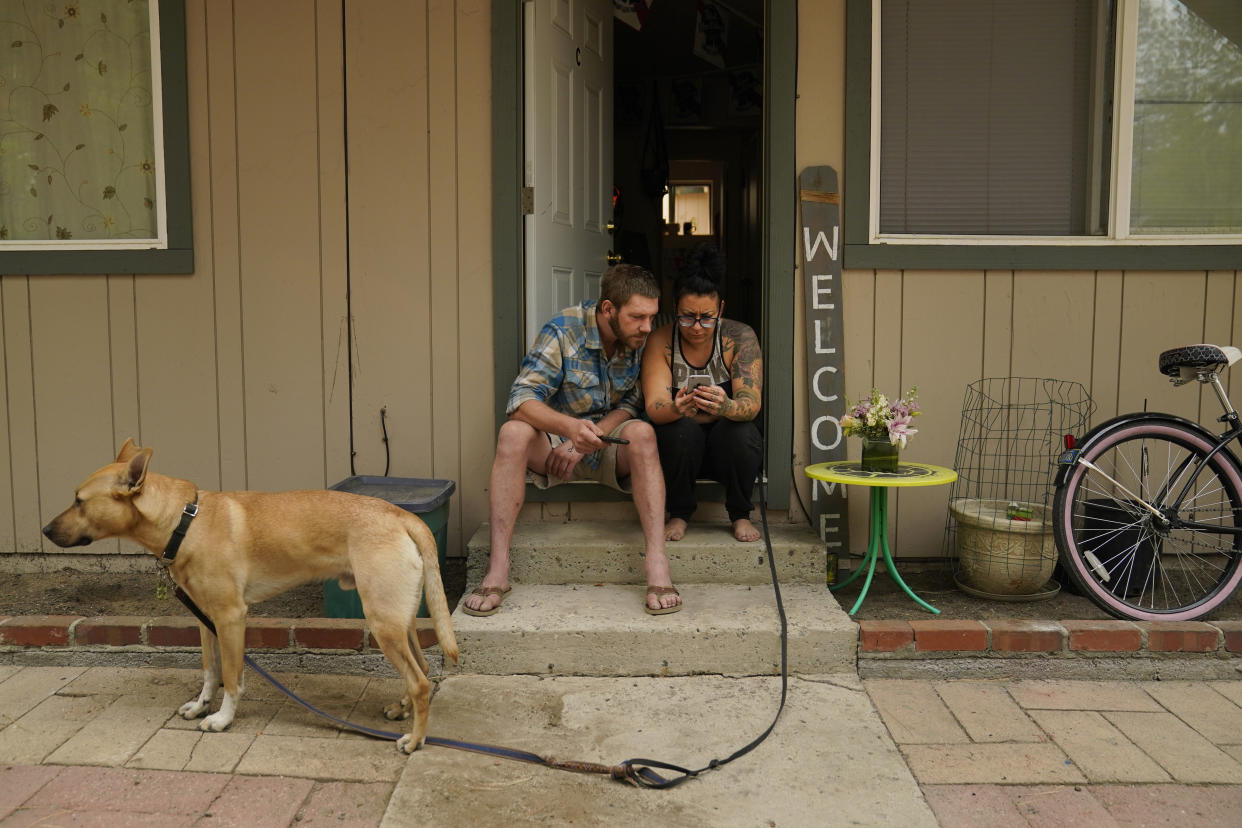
x,y
577,605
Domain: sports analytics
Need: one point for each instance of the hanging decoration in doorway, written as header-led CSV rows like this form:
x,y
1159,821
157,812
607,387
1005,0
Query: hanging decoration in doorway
x,y
711,33
654,160
632,12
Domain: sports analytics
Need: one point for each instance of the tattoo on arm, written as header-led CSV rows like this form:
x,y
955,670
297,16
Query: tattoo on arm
x,y
746,370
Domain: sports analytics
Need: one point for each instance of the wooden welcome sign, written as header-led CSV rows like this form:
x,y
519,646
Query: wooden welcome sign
x,y
825,359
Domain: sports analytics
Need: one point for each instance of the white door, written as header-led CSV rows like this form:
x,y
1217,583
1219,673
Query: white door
x,y
568,146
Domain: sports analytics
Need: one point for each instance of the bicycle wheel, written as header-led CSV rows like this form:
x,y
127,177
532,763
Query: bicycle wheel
x,y
1127,559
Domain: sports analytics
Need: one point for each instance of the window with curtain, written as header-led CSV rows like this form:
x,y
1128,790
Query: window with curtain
x,y
78,153
984,116
1033,120
94,159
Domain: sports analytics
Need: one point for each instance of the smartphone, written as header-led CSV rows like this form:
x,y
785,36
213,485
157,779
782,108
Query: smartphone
x,y
621,441
695,380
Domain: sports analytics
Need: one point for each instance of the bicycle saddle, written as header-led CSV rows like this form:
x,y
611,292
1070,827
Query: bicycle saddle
x,y
1185,362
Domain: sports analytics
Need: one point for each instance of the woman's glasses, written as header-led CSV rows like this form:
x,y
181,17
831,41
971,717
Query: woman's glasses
x,y
707,322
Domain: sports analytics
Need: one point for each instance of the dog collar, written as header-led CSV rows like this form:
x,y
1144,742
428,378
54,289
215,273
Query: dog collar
x,y
174,543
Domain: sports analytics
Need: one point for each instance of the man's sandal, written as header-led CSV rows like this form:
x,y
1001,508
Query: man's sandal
x,y
658,591
484,592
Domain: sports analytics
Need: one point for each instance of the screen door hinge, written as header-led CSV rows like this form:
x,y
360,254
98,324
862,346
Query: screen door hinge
x,y
528,201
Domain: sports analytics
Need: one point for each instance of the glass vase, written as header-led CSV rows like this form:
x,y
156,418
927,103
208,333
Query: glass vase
x,y
879,455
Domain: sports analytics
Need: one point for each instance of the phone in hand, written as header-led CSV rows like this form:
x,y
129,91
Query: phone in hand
x,y
695,380
621,441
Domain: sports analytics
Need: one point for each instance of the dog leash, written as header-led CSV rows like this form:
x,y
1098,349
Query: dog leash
x,y
649,778
638,772
623,772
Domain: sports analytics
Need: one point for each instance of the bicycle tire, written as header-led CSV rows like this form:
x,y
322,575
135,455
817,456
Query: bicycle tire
x,y
1118,554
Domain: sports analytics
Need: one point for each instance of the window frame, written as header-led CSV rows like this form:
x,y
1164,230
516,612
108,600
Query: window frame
x,y
861,250
178,256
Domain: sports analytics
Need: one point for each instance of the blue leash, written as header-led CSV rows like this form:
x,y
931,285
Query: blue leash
x,y
626,771
637,772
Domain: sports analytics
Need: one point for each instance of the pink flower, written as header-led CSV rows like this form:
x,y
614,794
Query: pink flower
x,y
899,430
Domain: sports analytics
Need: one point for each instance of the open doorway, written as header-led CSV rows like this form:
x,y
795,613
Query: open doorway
x,y
762,270
688,145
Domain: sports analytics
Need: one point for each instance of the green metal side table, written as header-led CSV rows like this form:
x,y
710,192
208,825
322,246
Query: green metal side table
x,y
851,473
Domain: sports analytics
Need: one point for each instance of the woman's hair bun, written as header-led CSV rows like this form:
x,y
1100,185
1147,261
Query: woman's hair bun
x,y
704,261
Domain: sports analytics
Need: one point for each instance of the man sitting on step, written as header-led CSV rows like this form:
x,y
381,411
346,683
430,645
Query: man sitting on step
x,y
578,382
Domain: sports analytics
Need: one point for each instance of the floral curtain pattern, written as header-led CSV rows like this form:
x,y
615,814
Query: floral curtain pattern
x,y
77,134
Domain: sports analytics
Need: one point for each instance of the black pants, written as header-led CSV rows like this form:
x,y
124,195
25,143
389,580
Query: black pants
x,y
725,451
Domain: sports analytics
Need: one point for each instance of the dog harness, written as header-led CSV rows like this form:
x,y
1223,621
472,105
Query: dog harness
x,y
174,543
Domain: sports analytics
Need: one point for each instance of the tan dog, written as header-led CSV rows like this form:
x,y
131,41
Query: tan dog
x,y
243,547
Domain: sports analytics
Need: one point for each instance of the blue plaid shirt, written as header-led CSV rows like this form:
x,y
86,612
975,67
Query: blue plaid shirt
x,y
567,370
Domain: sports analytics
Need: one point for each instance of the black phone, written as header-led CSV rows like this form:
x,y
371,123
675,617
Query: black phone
x,y
621,441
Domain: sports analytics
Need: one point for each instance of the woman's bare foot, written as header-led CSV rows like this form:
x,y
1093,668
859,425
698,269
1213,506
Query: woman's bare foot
x,y
745,531
675,529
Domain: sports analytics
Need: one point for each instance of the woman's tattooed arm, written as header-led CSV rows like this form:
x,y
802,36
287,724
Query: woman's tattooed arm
x,y
746,369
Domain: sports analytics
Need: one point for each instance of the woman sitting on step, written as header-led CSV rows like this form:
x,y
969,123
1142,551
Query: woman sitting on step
x,y
702,380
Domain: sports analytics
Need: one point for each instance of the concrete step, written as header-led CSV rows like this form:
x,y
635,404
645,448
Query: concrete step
x,y
610,552
727,629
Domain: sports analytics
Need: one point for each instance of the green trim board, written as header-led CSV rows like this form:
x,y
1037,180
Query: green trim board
x,y
179,256
779,232
860,253
780,199
507,252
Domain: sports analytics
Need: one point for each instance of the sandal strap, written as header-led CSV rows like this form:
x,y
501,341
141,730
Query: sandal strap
x,y
486,591
659,590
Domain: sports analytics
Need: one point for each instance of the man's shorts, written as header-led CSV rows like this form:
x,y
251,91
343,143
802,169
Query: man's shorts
x,y
605,474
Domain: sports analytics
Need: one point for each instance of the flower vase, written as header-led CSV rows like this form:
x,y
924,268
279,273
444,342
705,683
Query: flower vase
x,y
879,455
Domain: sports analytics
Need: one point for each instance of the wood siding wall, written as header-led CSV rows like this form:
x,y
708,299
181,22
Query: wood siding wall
x,y
238,375
944,330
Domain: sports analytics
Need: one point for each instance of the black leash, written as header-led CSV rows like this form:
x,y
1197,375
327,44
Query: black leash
x,y
635,771
640,772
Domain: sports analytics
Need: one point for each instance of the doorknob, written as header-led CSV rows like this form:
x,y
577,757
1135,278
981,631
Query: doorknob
x,y
613,258
610,227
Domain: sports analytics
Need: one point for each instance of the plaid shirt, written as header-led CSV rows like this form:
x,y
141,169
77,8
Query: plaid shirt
x,y
566,369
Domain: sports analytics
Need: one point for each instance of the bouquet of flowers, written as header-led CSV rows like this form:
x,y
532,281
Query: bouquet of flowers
x,y
878,418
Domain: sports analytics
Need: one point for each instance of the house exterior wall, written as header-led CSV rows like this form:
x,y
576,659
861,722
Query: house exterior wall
x,y
238,374
942,330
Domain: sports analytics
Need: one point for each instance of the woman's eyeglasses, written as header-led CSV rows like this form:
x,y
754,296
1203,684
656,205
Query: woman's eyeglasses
x,y
707,322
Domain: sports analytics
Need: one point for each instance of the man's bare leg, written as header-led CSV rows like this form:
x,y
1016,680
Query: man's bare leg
x,y
641,460
517,442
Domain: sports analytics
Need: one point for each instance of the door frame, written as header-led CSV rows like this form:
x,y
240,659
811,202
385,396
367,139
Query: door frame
x,y
779,236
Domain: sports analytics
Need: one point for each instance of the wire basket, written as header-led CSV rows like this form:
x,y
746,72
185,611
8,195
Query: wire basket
x,y
998,531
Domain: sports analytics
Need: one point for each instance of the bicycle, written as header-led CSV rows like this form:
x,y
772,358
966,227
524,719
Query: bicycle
x,y
1148,508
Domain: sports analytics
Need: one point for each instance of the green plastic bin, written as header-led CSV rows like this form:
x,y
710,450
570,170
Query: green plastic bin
x,y
427,498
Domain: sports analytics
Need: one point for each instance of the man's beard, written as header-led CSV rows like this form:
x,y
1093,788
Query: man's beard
x,y
615,324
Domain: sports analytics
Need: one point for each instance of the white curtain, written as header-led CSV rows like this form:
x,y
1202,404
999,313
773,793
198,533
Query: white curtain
x,y
77,146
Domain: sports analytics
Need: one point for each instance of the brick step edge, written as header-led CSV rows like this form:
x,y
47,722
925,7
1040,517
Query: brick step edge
x,y
177,632
925,639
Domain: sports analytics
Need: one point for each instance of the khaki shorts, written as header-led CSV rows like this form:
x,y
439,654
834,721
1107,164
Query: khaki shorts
x,y
606,474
